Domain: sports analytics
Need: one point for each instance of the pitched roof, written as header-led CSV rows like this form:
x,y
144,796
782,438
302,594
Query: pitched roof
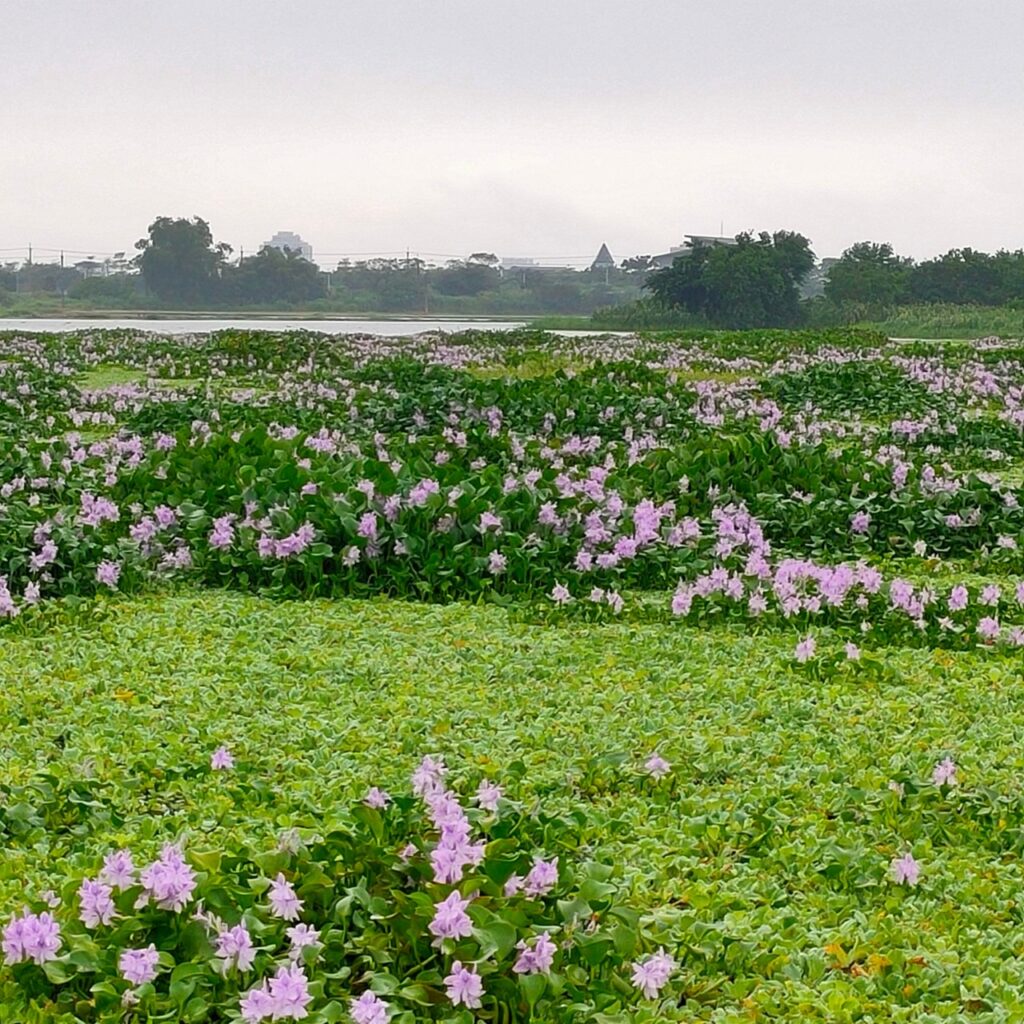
x,y
603,258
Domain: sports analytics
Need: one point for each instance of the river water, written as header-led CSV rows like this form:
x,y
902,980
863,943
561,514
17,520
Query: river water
x,y
385,328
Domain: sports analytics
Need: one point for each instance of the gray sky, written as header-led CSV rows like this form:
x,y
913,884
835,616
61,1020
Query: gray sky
x,y
531,127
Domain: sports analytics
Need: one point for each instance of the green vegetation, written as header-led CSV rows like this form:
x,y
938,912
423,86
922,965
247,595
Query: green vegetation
x,y
728,623
770,844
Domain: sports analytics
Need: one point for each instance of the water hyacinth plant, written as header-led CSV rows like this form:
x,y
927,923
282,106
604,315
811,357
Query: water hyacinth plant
x,y
385,914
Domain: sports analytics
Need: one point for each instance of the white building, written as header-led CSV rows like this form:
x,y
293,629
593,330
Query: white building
x,y
290,240
665,259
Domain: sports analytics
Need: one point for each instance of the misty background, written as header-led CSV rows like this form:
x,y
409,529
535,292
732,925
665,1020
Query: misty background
x,y
537,128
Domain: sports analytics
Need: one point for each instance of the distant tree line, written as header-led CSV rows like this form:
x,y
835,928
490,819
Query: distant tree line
x,y
871,274
180,265
763,281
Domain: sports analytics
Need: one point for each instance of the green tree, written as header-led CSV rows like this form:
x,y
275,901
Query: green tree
x,y
754,283
273,276
868,273
179,261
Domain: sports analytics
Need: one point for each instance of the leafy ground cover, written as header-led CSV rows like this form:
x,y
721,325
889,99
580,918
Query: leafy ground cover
x,y
764,856
718,636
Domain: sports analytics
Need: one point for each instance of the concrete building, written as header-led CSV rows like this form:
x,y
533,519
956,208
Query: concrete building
x,y
665,259
290,240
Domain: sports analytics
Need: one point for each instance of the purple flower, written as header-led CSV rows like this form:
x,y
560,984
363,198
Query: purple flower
x,y
988,628
138,965
450,918
97,906
223,533
168,880
301,936
560,594
235,948
257,1004
221,759
108,573
429,776
542,877
905,870
368,1009
118,870
464,986
33,937
852,652
536,960
958,598
284,902
805,649
656,766
377,798
944,773
860,522
290,993
651,975
513,885
488,794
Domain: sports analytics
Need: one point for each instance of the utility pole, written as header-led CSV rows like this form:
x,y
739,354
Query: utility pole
x,y
62,259
30,253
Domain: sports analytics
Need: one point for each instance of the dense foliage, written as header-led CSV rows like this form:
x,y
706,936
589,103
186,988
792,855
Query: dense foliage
x,y
838,495
754,283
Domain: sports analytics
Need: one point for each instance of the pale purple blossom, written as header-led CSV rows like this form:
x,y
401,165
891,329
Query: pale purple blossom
x,y
96,903
138,965
464,986
536,959
650,976
368,1009
284,902
222,759
905,870
450,918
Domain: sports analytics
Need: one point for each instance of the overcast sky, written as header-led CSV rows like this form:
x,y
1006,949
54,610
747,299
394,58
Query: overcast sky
x,y
529,127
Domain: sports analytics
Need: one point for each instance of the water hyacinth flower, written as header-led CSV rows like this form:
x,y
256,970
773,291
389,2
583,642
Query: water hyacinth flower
x,y
257,1004
488,794
377,798
429,776
34,937
289,989
513,885
536,959
118,870
96,903
301,936
138,965
905,870
450,919
108,573
657,767
560,594
221,759
542,877
464,986
650,976
284,903
805,649
852,652
860,522
368,1009
235,949
944,773
168,881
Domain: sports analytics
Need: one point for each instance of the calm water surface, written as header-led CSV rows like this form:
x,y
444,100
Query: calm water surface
x,y
385,328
